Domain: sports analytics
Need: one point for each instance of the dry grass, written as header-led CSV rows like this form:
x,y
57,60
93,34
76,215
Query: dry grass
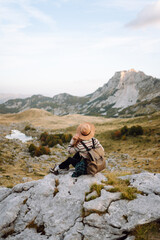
x,y
13,171
149,231
42,118
120,185
144,149
94,187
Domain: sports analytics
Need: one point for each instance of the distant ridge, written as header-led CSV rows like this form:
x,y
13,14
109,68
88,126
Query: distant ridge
x,y
126,94
4,97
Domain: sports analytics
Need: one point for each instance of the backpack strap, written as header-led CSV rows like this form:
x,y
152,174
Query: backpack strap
x,y
93,143
86,146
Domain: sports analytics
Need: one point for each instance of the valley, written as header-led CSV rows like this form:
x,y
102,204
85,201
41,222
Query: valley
x,y
132,154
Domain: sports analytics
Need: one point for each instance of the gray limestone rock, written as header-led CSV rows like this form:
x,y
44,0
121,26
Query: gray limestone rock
x,y
145,182
4,192
53,208
102,203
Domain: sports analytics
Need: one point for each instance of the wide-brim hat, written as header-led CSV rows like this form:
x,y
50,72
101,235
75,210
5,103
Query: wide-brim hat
x,y
85,131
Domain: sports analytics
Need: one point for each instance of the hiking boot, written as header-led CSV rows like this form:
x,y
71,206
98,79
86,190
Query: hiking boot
x,y
52,170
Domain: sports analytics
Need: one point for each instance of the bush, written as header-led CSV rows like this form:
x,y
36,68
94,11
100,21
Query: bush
x,y
43,137
53,139
32,149
125,131
27,128
38,151
116,134
136,130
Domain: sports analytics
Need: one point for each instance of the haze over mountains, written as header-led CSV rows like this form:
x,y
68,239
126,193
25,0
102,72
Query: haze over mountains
x,y
127,93
4,97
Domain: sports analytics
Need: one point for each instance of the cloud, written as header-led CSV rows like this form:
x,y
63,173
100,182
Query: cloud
x,y
150,15
123,4
16,15
37,14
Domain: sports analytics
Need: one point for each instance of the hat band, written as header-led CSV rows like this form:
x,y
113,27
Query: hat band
x,y
85,134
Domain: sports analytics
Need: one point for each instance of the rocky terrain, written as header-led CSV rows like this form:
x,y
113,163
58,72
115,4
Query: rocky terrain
x,y
127,93
17,165
131,154
45,206
56,208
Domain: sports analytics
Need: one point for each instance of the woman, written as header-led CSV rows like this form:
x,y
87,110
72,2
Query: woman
x,y
84,138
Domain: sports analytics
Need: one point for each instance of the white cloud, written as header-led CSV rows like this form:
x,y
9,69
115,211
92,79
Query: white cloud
x,y
124,4
150,15
16,15
37,14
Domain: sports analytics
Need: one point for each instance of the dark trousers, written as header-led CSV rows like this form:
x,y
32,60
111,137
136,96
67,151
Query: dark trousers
x,y
71,160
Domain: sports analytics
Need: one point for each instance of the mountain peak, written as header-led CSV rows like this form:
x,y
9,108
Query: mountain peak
x,y
132,70
126,88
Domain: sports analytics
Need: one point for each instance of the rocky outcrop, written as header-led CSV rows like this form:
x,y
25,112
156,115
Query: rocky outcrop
x,y
53,208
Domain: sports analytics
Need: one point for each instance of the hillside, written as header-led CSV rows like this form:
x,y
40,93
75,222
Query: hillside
x,y
44,119
127,94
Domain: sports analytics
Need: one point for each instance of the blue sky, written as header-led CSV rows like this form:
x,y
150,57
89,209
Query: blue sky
x,y
75,46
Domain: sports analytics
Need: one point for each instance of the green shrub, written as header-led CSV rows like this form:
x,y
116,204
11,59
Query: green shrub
x,y
27,128
32,149
136,130
53,139
43,137
38,151
124,131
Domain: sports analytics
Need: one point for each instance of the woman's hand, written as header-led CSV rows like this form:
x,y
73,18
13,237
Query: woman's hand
x,y
75,137
76,140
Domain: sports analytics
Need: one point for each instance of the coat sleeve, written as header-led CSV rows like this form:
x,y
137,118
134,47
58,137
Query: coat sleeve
x,y
71,148
97,144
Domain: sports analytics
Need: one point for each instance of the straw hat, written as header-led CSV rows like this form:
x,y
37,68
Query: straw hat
x,y
85,131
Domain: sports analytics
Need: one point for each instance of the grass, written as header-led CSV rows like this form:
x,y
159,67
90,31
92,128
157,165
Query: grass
x,y
149,140
56,182
94,187
149,231
10,186
122,186
56,190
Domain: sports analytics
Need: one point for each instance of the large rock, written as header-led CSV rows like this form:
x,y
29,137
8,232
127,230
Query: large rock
x,y
146,182
54,208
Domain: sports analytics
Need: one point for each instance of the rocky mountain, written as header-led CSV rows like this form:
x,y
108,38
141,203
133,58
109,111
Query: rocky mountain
x,y
127,93
58,208
5,97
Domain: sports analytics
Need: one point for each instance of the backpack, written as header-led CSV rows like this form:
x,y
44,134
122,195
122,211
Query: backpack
x,y
96,161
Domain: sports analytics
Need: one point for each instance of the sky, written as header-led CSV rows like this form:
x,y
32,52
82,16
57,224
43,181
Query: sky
x,y
75,46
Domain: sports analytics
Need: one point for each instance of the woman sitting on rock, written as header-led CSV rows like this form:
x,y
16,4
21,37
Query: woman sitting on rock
x,y
79,144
